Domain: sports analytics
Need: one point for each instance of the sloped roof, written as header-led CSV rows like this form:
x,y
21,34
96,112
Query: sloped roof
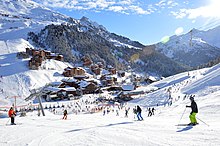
x,y
127,87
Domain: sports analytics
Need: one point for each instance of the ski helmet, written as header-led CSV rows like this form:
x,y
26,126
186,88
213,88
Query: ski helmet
x,y
191,98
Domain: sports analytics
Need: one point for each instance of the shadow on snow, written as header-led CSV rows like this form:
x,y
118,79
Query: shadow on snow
x,y
74,130
185,129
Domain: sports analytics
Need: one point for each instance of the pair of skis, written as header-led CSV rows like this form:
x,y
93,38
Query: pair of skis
x,y
187,124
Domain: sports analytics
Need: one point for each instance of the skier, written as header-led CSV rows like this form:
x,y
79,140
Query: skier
x,y
126,112
12,114
38,111
103,112
193,112
65,114
134,111
153,109
117,112
149,112
139,113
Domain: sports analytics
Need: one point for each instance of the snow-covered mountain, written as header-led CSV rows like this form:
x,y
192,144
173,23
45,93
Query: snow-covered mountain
x,y
18,17
194,48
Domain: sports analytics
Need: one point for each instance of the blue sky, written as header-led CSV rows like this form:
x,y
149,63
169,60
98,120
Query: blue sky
x,y
146,21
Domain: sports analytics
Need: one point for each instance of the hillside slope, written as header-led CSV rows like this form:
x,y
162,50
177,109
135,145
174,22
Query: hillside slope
x,y
194,48
16,77
159,129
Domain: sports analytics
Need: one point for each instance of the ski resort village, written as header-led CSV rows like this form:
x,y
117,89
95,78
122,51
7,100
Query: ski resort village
x,y
71,82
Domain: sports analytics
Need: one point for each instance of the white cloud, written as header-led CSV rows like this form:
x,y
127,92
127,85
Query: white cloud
x,y
172,3
123,6
138,10
116,8
151,8
212,10
161,3
125,2
181,14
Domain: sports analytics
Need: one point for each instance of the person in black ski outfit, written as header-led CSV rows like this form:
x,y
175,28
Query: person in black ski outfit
x,y
149,112
153,109
65,114
140,118
194,111
134,111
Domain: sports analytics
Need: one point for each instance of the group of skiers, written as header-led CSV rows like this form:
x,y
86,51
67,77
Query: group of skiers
x,y
136,110
151,111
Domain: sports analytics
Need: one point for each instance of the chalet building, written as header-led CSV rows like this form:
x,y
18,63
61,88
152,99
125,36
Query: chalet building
x,y
35,62
86,61
71,90
22,55
95,69
121,73
55,57
128,87
29,51
40,55
94,66
100,64
54,93
111,70
108,80
68,72
75,71
71,83
150,80
90,88
47,53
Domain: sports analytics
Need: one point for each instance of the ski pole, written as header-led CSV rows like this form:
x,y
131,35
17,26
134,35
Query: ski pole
x,y
182,115
203,121
7,121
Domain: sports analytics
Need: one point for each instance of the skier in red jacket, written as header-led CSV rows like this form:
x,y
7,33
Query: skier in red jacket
x,y
12,114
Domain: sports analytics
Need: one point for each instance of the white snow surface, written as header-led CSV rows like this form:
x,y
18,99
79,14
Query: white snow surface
x,y
16,77
18,17
87,129
96,129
